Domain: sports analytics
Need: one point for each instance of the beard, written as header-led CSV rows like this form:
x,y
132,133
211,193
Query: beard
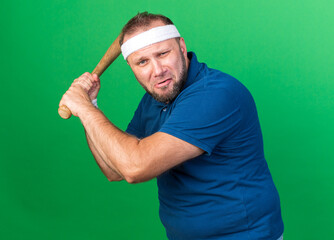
x,y
177,87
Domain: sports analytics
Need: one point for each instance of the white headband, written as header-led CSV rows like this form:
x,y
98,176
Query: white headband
x,y
154,35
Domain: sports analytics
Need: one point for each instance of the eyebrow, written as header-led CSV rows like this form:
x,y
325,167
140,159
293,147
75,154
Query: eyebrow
x,y
140,59
163,49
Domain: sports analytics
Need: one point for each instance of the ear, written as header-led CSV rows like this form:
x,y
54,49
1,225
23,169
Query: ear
x,y
183,47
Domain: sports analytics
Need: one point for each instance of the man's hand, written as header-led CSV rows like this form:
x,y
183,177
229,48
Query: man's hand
x,y
82,91
91,83
95,87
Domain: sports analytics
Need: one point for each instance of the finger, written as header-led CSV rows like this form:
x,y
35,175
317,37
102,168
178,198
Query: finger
x,y
86,76
89,76
96,78
62,100
84,81
97,83
85,85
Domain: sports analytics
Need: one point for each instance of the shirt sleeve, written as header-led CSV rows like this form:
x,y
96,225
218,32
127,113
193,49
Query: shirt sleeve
x,y
204,118
134,128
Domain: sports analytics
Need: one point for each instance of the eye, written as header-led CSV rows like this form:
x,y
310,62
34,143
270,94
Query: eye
x,y
164,53
142,62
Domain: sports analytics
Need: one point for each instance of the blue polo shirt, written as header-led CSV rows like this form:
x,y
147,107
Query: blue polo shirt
x,y
228,192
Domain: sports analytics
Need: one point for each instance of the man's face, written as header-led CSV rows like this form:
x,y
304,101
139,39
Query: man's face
x,y
160,68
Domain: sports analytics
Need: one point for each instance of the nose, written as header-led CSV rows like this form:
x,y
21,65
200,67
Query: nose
x,y
157,67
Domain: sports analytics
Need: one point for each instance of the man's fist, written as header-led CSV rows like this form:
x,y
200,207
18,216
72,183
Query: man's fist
x,y
82,91
91,83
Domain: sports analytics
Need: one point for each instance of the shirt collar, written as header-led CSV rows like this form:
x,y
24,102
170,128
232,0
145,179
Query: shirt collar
x,y
194,69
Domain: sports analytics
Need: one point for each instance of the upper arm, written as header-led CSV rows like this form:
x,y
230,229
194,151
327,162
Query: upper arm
x,y
199,122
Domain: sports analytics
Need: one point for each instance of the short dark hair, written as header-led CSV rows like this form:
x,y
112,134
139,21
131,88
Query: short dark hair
x,y
143,19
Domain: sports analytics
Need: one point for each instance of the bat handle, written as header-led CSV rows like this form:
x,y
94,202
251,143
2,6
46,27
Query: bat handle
x,y
112,53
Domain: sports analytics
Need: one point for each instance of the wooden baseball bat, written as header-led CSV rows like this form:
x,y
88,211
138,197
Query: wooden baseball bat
x,y
112,53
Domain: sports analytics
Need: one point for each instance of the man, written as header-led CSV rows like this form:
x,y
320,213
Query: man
x,y
196,130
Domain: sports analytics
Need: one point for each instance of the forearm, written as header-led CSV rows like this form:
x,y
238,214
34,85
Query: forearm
x,y
112,145
104,139
135,160
106,169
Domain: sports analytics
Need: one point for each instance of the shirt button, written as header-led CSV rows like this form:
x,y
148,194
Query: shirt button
x,y
164,109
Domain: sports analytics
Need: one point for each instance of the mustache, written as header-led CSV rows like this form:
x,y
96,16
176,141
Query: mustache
x,y
163,77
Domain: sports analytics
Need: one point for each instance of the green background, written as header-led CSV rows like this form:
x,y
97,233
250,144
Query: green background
x,y
51,187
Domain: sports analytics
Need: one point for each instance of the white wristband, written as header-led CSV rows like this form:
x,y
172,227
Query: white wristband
x,y
94,102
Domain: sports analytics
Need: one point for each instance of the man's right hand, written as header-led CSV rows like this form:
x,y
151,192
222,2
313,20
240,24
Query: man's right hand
x,y
91,83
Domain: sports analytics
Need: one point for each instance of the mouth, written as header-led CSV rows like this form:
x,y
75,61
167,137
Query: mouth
x,y
163,83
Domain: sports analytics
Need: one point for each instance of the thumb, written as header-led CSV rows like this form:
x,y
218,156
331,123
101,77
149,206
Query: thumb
x,y
96,78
